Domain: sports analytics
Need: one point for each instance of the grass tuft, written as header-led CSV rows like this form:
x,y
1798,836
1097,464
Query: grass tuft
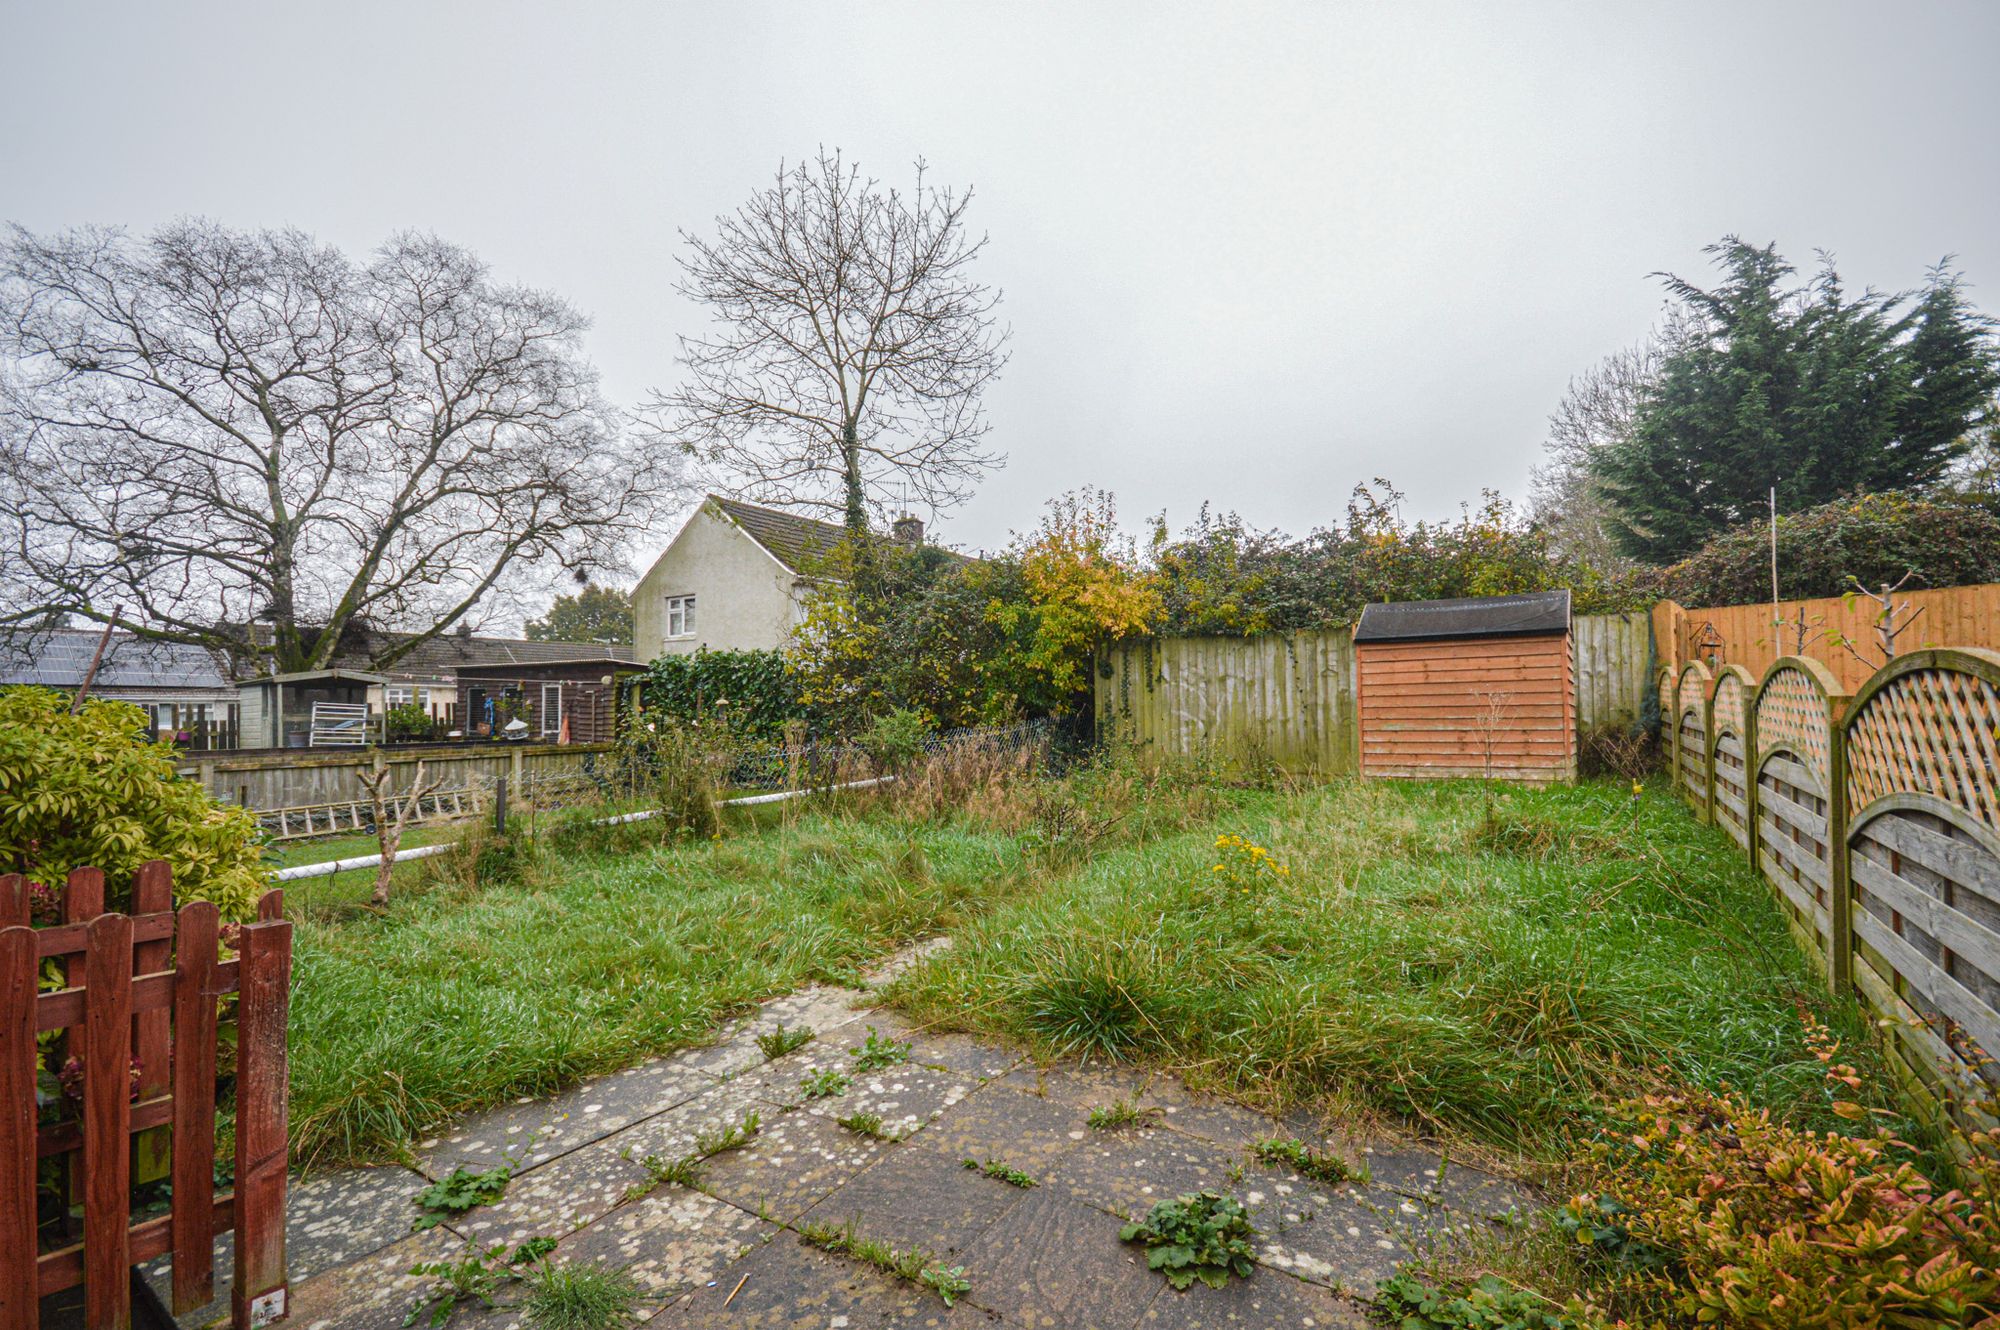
x,y
579,1296
781,1041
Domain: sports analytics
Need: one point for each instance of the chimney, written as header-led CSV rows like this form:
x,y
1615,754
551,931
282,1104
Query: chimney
x,y
907,530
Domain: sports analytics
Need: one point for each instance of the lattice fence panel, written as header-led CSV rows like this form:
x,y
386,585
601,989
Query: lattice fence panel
x,y
1791,715
1793,845
1731,793
1927,944
1931,731
1731,703
1668,711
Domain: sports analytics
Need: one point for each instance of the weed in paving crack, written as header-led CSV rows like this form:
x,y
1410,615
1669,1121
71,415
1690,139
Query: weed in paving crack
x,y
1201,1236
914,1266
1006,1173
475,1276
876,1052
685,1170
865,1124
1303,1159
458,1192
782,1041
1117,1114
824,1083
578,1296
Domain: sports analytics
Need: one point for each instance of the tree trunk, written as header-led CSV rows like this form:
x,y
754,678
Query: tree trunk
x,y
850,464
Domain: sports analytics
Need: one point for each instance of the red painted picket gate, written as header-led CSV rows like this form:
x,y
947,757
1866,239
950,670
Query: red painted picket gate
x,y
143,986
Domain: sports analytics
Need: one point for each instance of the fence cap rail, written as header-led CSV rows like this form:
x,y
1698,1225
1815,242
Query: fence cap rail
x,y
1976,661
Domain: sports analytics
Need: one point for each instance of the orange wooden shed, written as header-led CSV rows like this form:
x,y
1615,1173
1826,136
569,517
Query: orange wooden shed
x,y
1467,688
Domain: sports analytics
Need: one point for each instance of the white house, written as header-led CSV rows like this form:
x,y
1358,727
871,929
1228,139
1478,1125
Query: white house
x,y
734,579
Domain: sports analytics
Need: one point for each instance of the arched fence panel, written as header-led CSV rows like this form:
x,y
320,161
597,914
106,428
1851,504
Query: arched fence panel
x,y
1728,752
1794,828
1922,790
1691,694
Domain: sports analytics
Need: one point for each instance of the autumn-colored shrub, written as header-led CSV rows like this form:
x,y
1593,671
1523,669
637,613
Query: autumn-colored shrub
x,y
1709,1212
91,790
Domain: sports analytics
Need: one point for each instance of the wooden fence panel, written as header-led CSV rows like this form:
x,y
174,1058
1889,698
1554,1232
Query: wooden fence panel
x,y
1285,700
1922,791
1614,654
1966,616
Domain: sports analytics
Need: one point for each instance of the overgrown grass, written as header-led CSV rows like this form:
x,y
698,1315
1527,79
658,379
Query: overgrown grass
x,y
462,997
1491,979
517,966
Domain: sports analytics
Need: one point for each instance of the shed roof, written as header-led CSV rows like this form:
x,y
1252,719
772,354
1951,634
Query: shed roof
x,y
60,657
1534,614
526,669
339,674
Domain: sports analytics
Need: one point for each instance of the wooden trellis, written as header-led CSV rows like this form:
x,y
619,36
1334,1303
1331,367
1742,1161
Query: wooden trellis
x,y
142,986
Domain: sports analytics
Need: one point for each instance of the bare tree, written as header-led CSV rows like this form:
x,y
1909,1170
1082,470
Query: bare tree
x,y
852,346
392,814
254,444
1599,407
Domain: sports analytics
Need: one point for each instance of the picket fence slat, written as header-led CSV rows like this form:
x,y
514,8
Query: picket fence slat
x,y
258,1293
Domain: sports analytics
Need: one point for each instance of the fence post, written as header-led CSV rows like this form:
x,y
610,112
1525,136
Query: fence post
x,y
499,805
262,1082
1840,909
1750,813
19,970
107,1124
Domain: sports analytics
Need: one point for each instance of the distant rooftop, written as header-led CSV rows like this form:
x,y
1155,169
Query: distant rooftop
x,y
794,541
1534,613
59,659
447,653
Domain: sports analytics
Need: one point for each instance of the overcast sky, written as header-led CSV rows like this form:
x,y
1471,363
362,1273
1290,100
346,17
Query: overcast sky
x,y
1251,254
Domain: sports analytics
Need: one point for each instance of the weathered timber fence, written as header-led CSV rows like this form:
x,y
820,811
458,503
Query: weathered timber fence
x,y
1746,635
137,1017
1875,817
1288,699
315,778
1281,699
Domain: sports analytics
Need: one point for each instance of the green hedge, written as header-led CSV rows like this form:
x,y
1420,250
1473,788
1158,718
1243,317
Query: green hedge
x,y
757,690
1876,538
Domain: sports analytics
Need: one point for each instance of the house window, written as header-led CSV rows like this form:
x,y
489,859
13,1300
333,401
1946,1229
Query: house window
x,y
680,616
551,708
401,697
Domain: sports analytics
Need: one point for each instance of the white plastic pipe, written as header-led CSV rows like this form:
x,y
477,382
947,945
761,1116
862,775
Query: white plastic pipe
x,y
332,866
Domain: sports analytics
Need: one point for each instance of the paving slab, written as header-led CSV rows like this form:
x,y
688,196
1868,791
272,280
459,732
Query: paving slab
x,y
530,1131
795,1162
1427,1175
905,960
1348,1239
914,1200
331,1219
1056,1264
785,1285
966,1055
1128,1170
373,1293
669,1242
1267,1300
556,1198
999,1123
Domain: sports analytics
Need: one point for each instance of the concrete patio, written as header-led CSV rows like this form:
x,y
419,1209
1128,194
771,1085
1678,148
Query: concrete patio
x,y
723,1255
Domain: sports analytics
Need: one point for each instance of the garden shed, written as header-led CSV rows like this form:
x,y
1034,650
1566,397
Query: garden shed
x,y
554,701
1469,687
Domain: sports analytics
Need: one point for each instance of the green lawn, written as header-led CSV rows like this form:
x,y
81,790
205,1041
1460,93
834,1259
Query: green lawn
x,y
1491,979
